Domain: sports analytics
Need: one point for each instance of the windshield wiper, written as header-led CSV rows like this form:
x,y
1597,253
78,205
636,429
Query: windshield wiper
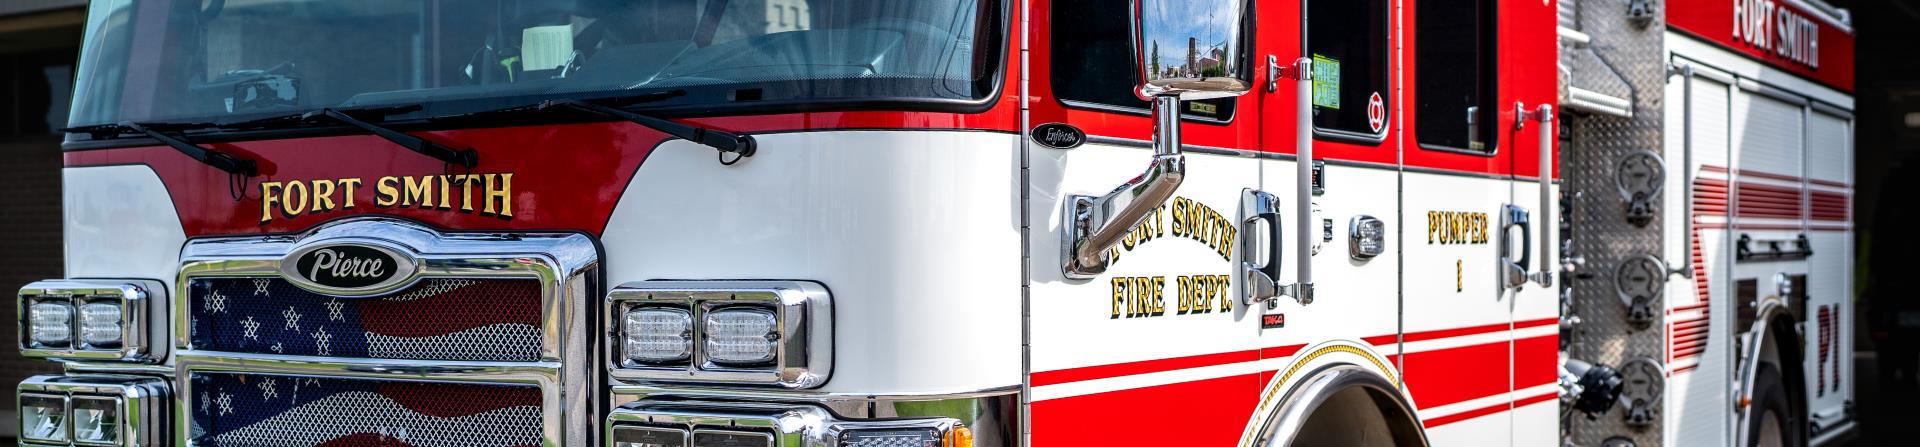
x,y
464,157
740,145
218,160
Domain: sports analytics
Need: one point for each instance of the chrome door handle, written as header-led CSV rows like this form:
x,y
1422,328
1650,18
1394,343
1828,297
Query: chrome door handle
x,y
1261,280
1514,273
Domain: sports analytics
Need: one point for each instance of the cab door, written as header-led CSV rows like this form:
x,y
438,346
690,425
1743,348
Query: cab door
x,y
1158,336
1471,196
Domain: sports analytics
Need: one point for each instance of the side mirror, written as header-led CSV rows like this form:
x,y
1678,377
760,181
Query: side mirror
x,y
1188,49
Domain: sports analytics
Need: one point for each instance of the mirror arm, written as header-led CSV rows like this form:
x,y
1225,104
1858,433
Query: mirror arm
x,y
1098,223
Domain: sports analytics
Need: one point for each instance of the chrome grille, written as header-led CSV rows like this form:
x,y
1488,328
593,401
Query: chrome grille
x,y
262,410
495,319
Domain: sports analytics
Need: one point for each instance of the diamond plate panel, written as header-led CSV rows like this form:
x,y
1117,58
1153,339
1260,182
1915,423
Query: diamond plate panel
x,y
1599,228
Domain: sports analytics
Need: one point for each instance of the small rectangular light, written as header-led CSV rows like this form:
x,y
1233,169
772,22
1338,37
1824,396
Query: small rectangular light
x,y
741,336
100,324
50,323
648,437
657,335
96,420
43,418
1367,237
905,437
729,438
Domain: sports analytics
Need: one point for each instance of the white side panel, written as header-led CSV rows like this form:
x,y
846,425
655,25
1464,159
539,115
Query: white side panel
x,y
1770,136
1829,343
860,212
1074,321
1697,405
1829,148
120,223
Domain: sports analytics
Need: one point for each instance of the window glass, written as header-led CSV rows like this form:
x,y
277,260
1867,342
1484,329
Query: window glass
x,y
183,60
1454,91
1093,64
1347,40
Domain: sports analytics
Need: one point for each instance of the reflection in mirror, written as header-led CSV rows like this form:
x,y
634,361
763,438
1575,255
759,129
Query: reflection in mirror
x,y
1190,48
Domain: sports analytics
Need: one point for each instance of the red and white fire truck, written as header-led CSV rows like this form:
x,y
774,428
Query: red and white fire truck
x,y
666,223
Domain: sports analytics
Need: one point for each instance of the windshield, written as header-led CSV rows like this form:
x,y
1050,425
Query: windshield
x,y
221,60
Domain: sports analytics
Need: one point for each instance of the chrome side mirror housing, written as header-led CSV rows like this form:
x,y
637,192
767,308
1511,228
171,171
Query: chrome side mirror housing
x,y
1203,58
1210,66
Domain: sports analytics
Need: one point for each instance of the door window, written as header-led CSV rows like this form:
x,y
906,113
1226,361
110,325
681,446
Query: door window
x,y
1454,92
1347,40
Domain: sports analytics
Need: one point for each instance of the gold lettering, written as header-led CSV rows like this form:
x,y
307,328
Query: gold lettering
x,y
346,190
418,192
504,193
386,193
269,194
1119,295
1226,303
444,189
466,192
295,201
322,195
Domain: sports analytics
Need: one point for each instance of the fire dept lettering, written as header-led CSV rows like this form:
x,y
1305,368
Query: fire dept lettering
x,y
487,194
1456,227
1145,296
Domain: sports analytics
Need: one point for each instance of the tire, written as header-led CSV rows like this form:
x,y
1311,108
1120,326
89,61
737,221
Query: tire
x,y
1772,421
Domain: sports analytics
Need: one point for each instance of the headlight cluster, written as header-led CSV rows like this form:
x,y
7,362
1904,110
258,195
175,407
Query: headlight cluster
x,y
92,411
765,332
89,319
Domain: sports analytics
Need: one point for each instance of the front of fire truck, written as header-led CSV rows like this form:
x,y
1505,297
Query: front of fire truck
x,y
536,223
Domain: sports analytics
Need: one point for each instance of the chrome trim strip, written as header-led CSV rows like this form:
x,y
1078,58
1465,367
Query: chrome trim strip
x,y
791,425
803,311
562,262
143,402
143,323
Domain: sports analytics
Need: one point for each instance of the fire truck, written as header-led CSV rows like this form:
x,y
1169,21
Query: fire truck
x,y
670,223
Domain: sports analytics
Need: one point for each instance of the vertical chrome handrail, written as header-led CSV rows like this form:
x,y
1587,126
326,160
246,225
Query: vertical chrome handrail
x,y
1544,277
1685,270
1302,290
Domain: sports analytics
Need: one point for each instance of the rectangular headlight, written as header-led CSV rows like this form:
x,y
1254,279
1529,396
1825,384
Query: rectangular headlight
x,y
745,332
95,410
100,324
657,335
649,437
114,320
96,420
50,324
741,336
43,418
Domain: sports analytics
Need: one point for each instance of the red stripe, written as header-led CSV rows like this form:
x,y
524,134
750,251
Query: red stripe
x,y
1207,412
1685,369
1456,375
1478,412
1085,373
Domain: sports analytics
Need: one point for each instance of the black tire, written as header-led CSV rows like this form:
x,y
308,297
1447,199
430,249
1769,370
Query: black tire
x,y
1772,417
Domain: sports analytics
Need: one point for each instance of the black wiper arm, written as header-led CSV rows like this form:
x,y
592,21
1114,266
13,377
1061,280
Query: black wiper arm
x,y
296,119
463,157
216,159
736,143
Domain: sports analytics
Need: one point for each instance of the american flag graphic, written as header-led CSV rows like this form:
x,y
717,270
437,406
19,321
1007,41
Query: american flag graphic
x,y
435,319
259,410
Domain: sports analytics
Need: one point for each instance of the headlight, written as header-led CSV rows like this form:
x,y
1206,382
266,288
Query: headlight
x,y
658,335
96,420
92,320
88,410
745,332
741,336
50,324
649,437
43,418
100,324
